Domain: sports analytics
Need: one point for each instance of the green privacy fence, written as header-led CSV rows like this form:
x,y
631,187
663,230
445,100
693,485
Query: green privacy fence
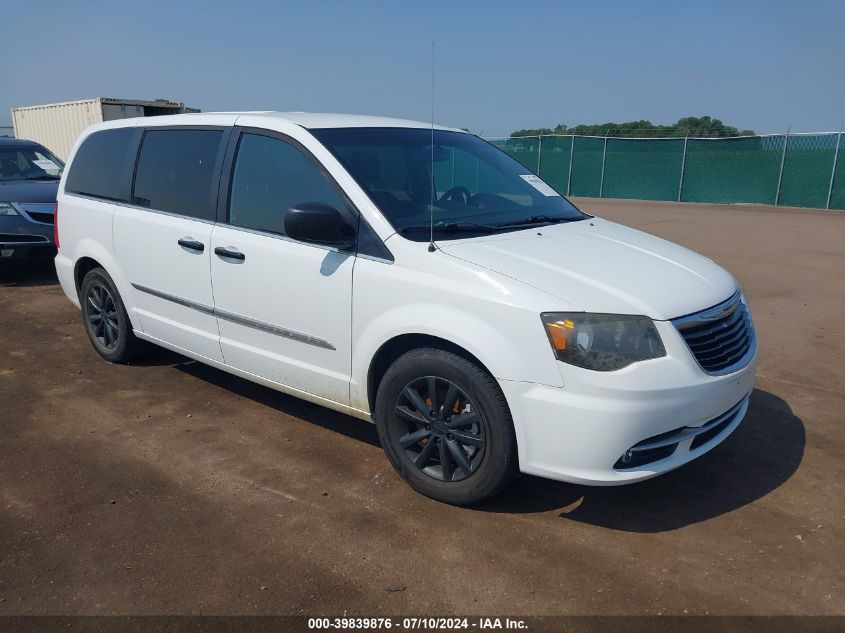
x,y
798,170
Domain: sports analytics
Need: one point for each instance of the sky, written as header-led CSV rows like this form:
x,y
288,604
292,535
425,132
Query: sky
x,y
499,66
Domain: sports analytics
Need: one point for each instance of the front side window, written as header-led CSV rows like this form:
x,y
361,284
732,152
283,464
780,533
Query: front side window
x,y
97,166
271,176
28,163
474,188
175,172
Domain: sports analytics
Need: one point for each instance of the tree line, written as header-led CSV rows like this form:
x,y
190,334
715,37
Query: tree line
x,y
703,126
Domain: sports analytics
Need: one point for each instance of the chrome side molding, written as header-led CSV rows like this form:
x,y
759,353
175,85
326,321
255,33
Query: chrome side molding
x,y
240,320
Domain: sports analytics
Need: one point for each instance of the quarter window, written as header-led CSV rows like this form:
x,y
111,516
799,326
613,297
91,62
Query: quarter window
x,y
98,167
175,172
270,177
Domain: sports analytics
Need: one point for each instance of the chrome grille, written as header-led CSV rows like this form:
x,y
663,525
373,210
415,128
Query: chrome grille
x,y
720,338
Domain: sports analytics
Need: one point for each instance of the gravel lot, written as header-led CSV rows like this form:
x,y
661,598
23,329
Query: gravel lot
x,y
168,487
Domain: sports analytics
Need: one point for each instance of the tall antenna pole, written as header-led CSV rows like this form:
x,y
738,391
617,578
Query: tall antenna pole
x,y
431,208
782,161
833,169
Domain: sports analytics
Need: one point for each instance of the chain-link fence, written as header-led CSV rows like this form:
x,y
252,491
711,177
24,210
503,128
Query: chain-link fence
x,y
798,170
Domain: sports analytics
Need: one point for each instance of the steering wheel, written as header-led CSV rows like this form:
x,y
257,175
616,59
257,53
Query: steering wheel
x,y
455,192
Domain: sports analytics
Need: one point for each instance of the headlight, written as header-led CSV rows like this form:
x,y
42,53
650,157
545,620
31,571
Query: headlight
x,y
602,342
7,209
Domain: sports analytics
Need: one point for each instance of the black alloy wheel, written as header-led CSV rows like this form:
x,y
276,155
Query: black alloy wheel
x,y
105,319
445,426
439,428
102,315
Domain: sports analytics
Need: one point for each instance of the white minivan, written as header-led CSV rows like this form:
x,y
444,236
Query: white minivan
x,y
413,276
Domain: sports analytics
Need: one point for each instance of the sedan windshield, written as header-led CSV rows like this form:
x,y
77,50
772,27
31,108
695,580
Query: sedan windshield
x,y
475,188
27,162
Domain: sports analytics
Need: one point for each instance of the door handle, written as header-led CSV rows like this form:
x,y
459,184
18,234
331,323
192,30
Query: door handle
x,y
192,244
229,253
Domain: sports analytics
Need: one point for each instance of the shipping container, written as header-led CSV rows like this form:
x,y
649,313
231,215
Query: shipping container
x,y
57,125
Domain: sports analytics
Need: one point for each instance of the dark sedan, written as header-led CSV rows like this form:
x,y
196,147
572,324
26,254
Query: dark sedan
x,y
29,179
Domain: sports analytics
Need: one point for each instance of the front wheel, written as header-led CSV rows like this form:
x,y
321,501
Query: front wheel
x,y
445,426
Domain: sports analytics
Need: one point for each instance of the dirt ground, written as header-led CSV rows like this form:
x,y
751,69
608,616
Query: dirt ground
x,y
167,487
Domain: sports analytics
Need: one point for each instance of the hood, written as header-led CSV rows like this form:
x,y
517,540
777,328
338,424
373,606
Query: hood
x,y
599,266
28,190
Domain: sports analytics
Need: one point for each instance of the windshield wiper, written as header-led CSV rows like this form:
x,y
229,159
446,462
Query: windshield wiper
x,y
474,227
44,177
451,227
535,220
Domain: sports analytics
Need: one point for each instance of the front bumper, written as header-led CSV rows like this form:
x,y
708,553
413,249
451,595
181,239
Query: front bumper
x,y
22,236
26,251
580,432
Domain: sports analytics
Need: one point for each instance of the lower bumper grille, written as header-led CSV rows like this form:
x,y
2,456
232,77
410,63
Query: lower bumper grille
x,y
664,445
18,238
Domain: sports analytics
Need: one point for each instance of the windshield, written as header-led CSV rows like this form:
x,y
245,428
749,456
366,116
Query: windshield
x,y
477,187
26,162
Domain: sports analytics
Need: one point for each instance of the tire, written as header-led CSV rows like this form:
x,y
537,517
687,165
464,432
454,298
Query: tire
x,y
105,320
478,424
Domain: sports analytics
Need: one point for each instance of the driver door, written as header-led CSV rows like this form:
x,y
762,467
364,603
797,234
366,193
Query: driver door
x,y
283,306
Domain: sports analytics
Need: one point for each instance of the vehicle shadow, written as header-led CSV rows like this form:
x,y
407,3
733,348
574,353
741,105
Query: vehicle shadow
x,y
157,356
289,405
762,454
26,273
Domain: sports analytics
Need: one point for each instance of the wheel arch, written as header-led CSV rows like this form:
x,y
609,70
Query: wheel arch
x,y
394,347
89,255
82,267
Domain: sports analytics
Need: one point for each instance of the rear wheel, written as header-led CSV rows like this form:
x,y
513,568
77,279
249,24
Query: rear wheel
x,y
445,426
105,319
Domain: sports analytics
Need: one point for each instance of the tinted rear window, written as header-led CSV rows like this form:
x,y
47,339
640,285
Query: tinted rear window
x,y
175,172
97,169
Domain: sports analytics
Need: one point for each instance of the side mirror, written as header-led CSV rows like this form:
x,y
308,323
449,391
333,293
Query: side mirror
x,y
317,223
